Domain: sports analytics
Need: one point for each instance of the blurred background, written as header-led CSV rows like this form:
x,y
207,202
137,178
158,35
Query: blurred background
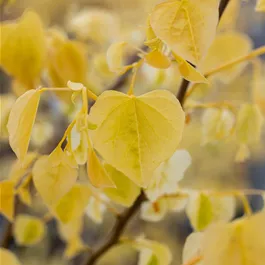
x,y
95,24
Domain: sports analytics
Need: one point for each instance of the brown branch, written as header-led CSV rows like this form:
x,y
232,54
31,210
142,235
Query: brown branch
x,y
117,230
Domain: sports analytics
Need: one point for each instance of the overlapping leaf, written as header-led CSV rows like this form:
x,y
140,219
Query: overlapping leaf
x,y
54,176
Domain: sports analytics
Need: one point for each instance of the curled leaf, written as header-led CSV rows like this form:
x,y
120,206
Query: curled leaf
x,y
115,58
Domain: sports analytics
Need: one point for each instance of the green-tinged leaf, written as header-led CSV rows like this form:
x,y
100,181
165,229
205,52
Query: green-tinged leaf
x,y
125,192
72,205
136,134
204,209
28,230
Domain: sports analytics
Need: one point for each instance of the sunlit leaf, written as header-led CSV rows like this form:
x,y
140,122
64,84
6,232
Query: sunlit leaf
x,y
167,175
95,209
192,247
226,47
157,59
21,120
161,253
115,58
240,242
136,134
187,26
54,175
125,191
28,230
6,103
7,198
68,61
72,205
189,72
97,174
217,124
249,124
204,209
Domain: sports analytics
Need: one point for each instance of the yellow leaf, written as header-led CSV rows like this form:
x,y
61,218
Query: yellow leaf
x,y
157,59
204,209
6,102
156,211
249,124
260,6
7,198
70,233
8,258
28,230
19,169
229,18
95,209
97,174
23,191
192,247
125,192
258,84
74,247
23,51
188,27
161,252
189,72
238,243
151,39
54,175
115,58
217,124
136,134
21,120
75,86
79,140
72,205
167,175
68,61
226,47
